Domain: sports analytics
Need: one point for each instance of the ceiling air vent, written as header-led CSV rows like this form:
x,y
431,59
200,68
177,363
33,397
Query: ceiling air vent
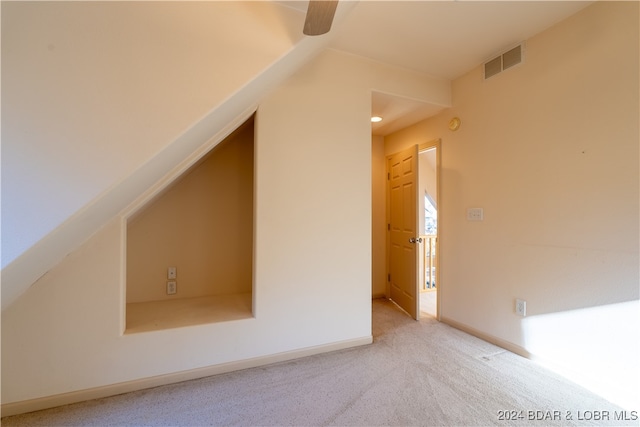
x,y
502,62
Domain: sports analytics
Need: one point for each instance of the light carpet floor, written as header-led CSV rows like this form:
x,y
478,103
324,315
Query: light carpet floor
x,y
428,303
415,373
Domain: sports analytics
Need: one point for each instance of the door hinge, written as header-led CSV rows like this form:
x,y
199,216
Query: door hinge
x,y
388,227
388,176
389,277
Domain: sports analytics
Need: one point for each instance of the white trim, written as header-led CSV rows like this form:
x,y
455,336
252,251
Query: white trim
x,y
31,405
514,348
436,144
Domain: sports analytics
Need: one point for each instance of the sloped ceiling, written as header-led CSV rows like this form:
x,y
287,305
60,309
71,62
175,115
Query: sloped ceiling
x,y
101,100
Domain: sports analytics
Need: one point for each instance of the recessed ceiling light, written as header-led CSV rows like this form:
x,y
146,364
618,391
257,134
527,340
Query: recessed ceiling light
x,y
376,119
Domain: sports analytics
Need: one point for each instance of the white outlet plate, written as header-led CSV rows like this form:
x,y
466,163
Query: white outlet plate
x,y
521,307
172,273
475,214
172,288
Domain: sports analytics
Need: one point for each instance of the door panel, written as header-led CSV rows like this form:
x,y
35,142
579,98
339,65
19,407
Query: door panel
x,y
403,226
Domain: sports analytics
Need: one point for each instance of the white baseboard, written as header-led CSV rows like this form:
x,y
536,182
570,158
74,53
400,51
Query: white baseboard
x,y
46,402
521,351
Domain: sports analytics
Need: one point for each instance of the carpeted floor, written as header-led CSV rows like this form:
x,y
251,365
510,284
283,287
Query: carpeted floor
x,y
415,373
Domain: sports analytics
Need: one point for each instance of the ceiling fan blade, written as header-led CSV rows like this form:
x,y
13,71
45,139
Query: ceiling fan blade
x,y
319,17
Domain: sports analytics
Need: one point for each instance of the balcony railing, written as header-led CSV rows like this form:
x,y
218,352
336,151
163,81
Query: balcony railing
x,y
429,262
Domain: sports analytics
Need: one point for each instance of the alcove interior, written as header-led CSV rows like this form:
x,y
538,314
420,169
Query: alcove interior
x,y
202,225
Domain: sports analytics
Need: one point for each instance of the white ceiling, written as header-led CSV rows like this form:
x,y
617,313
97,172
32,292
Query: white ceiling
x,y
443,39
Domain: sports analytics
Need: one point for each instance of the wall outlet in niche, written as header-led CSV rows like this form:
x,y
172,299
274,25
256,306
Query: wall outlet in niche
x,y
172,288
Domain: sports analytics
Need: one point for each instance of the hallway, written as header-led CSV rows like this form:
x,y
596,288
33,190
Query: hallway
x,y
428,304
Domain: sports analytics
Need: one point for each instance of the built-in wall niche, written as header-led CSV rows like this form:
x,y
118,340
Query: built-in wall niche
x,y
202,225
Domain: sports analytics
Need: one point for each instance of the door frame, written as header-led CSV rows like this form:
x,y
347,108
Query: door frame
x,y
437,145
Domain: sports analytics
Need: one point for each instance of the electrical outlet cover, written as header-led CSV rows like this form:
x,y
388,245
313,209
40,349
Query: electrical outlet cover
x,y
172,288
475,214
521,307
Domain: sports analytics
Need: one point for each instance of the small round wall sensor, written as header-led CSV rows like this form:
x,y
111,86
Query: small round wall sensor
x,y
454,124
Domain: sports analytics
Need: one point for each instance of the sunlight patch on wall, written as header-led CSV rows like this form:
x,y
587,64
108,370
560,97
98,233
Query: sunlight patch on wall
x,y
596,347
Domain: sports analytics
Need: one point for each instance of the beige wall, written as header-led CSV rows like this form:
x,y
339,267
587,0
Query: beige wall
x,y
550,150
378,218
202,225
85,82
428,183
313,233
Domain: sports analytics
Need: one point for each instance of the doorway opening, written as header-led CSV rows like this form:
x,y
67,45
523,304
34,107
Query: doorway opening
x,y
428,226
413,273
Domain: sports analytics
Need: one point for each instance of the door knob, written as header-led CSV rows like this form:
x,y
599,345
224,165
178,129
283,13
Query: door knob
x,y
414,240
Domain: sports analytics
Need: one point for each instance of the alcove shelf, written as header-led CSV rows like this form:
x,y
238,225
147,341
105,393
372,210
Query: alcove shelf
x,y
157,315
201,225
